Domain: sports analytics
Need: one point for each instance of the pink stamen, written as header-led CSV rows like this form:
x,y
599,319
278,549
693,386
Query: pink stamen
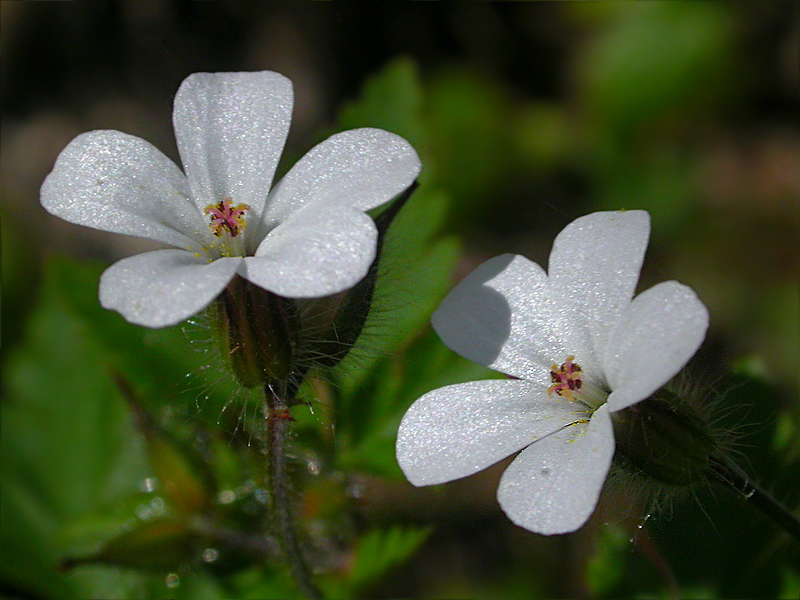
x,y
566,379
225,217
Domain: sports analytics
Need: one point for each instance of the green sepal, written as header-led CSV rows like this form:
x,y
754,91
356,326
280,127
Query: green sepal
x,y
352,313
663,438
257,332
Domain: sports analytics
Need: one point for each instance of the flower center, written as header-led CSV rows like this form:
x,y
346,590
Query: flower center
x,y
570,382
567,378
226,218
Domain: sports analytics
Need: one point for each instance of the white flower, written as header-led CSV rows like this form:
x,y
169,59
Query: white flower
x,y
308,236
581,348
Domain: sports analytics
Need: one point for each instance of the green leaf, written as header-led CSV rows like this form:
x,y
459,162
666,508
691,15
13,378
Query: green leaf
x,y
183,473
656,61
160,543
471,140
390,100
67,442
69,447
606,565
414,275
379,551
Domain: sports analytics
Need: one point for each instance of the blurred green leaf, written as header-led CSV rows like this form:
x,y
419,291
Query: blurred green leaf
x,y
471,139
655,62
379,551
791,584
68,444
160,543
182,472
654,74
70,449
606,565
390,100
20,269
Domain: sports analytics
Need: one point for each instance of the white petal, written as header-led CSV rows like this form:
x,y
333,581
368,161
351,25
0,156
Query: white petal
x,y
162,288
594,268
461,429
362,168
500,316
320,251
117,182
660,331
554,484
231,128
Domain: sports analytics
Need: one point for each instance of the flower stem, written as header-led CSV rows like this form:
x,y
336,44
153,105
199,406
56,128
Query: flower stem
x,y
278,420
725,471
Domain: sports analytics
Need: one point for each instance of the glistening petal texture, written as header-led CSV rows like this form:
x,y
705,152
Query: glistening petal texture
x,y
117,182
164,287
231,129
321,251
553,485
362,168
461,429
658,333
594,268
500,316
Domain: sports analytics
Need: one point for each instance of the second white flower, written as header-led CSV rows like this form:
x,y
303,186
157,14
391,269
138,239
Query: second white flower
x,y
580,348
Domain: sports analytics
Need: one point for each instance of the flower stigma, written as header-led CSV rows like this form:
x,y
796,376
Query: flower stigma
x,y
568,381
226,218
227,222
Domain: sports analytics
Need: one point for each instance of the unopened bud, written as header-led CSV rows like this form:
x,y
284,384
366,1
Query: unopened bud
x,y
664,438
352,313
258,332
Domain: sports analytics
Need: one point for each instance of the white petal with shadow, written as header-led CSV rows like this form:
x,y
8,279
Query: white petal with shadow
x,y
461,429
500,316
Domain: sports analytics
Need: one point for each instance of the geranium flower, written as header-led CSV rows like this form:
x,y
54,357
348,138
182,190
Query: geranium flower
x,y
308,236
579,347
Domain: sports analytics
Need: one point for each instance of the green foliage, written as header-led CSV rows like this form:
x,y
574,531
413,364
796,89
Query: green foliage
x,y
392,100
606,566
378,551
677,66
68,444
397,358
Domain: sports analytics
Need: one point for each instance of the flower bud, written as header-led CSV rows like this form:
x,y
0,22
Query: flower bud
x,y
662,437
258,332
352,313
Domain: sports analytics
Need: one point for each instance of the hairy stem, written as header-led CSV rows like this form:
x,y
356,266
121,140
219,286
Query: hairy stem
x,y
278,420
728,473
